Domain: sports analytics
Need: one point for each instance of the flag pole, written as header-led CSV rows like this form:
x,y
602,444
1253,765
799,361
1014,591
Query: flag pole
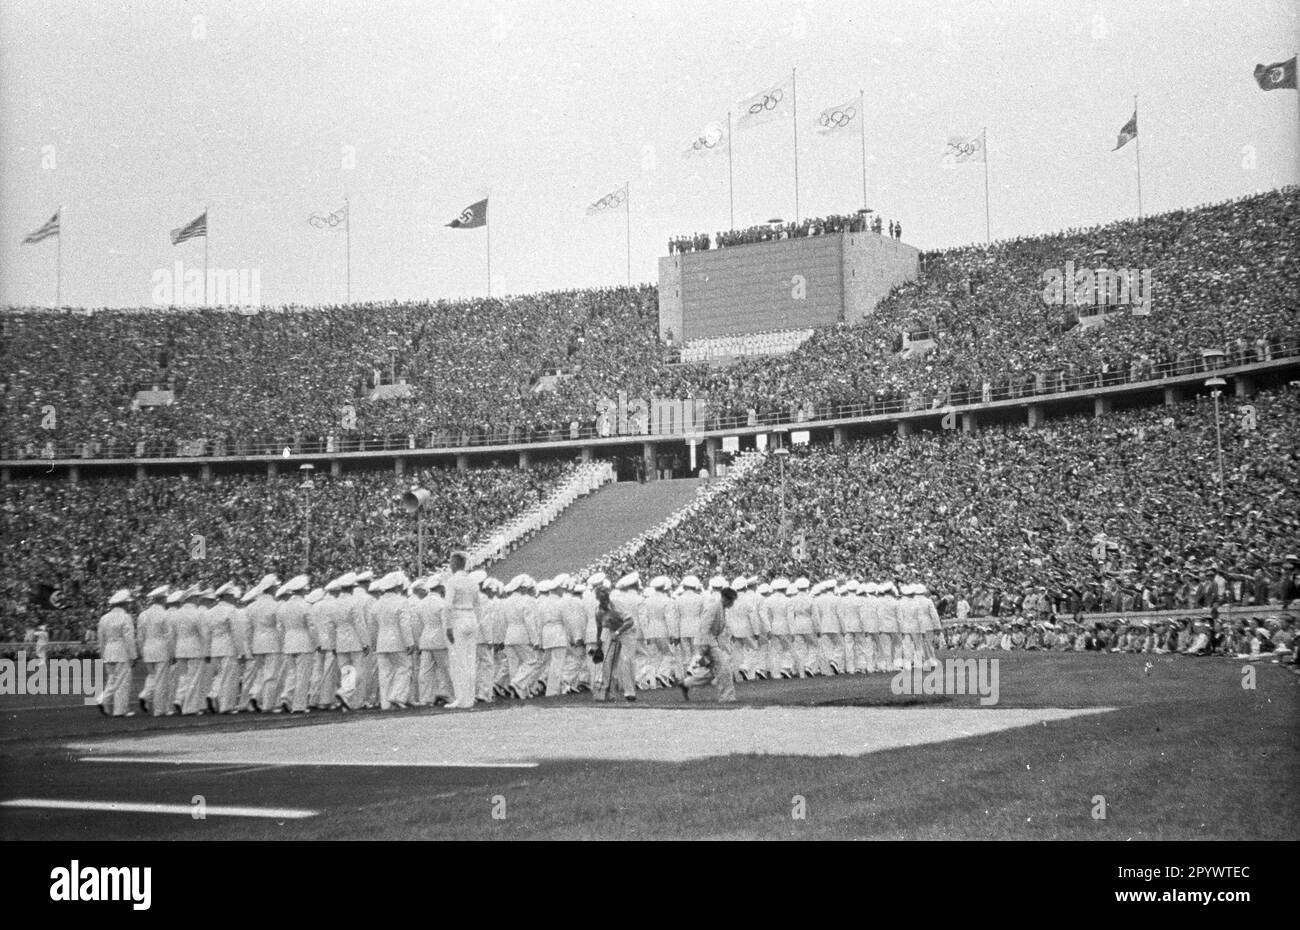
x,y
731,181
487,229
347,232
1137,151
58,265
794,107
862,119
627,209
988,235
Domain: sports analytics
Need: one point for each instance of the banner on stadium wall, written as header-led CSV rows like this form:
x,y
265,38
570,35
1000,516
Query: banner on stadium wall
x,y
799,437
730,443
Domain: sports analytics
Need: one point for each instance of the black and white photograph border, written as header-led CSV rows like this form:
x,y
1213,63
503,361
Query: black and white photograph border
x,y
801,419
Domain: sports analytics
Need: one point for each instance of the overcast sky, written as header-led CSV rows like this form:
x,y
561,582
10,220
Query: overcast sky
x,y
154,110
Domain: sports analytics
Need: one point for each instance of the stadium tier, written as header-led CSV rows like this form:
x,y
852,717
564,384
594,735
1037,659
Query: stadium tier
x,y
163,382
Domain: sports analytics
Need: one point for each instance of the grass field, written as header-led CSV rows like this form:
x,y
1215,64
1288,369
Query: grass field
x,y
1176,747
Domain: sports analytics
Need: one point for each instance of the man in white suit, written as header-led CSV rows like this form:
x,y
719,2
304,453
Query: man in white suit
x,y
368,667
156,640
394,641
350,643
223,650
322,608
267,643
117,650
191,654
429,613
463,620
298,645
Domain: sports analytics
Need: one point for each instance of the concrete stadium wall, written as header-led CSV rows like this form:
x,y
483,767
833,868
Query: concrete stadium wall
x,y
873,264
670,297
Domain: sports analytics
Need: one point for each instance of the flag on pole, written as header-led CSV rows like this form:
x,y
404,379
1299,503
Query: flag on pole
x,y
766,105
961,149
1127,133
51,228
613,201
1277,76
335,220
472,217
712,138
834,119
192,230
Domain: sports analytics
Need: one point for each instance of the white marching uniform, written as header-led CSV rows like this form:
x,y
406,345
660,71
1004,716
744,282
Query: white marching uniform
x,y
522,642
117,650
351,639
223,653
780,648
652,658
157,643
368,666
433,680
464,619
488,639
191,650
553,636
803,633
890,636
847,609
298,646
714,636
266,650
576,674
322,616
741,620
830,638
393,642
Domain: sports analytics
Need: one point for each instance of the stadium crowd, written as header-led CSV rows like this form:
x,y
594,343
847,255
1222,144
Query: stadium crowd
x,y
1222,280
773,232
78,542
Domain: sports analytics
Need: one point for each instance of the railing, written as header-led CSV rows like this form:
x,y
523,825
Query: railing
x,y
1040,385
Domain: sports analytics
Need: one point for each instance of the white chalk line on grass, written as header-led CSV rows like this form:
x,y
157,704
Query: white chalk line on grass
x,y
136,807
260,764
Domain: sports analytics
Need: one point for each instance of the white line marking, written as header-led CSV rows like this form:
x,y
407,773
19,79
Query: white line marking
x,y
171,760
132,807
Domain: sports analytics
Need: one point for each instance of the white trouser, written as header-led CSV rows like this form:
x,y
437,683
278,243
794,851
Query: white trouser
x,y
117,688
552,669
158,687
295,682
225,683
830,648
486,676
188,693
575,669
434,678
324,680
463,661
271,670
350,674
394,678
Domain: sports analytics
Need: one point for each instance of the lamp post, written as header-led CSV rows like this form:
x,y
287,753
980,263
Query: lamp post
x,y
1216,386
413,501
308,485
782,452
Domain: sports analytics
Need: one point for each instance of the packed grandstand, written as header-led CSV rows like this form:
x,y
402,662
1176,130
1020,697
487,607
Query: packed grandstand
x,y
989,517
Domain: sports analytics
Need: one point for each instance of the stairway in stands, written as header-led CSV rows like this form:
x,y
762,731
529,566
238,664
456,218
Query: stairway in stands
x,y
596,524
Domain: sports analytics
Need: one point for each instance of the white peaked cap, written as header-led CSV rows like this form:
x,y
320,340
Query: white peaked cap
x,y
546,585
314,595
597,579
780,584
161,591
120,596
765,588
801,584
628,580
661,582
229,588
179,595
363,577
513,584
293,585
692,581
717,582
740,583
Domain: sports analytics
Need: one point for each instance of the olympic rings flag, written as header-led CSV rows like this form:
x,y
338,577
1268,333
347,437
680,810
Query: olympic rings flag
x,y
962,149
335,220
712,138
614,200
833,119
766,105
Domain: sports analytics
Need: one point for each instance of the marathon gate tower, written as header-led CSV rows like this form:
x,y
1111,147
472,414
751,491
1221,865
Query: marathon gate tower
x,y
785,284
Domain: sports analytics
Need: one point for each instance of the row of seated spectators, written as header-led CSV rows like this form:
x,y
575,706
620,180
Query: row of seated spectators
x,y
1223,278
86,539
773,232
768,342
1118,513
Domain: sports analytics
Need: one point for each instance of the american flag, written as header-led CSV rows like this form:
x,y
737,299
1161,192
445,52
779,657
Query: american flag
x,y
51,228
192,230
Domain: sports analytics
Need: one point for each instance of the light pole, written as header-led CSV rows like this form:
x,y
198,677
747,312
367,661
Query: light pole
x,y
782,453
1216,386
413,502
307,486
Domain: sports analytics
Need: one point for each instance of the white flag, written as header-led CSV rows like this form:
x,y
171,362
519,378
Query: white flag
x,y
712,138
833,119
962,149
766,105
614,200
